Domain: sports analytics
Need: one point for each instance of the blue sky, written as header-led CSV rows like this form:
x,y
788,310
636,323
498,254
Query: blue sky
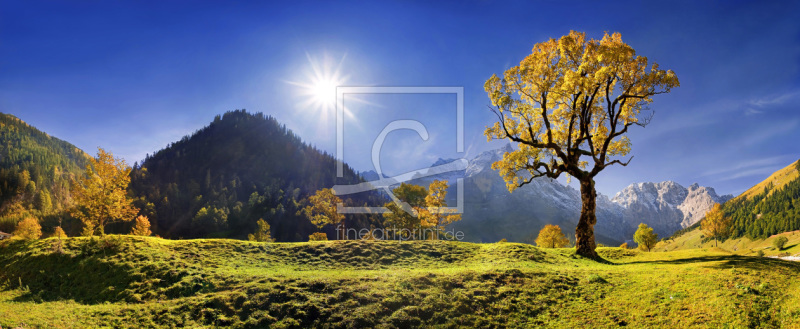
x,y
132,77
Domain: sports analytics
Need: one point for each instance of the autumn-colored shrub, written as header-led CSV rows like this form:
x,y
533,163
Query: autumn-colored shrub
x,y
28,229
318,236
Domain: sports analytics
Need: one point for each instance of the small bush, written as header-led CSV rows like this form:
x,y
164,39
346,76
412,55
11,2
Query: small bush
x,y
624,245
59,233
318,236
780,242
760,253
28,229
141,226
503,240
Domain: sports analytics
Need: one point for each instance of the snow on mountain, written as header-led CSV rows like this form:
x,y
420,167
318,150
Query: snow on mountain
x,y
492,213
666,206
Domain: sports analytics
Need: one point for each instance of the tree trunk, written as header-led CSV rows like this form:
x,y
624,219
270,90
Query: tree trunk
x,y
584,232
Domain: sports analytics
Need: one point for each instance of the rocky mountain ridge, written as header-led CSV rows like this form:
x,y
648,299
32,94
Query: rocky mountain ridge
x,y
492,213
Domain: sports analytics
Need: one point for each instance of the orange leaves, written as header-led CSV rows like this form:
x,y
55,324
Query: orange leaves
x,y
101,195
141,226
551,237
715,224
436,214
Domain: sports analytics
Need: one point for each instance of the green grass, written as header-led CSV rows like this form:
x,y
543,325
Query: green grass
x,y
122,281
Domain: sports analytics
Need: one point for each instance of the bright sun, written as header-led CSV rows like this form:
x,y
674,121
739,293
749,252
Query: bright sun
x,y
324,91
318,91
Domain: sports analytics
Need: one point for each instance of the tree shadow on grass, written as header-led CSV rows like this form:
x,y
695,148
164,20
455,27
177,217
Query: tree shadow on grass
x,y
729,261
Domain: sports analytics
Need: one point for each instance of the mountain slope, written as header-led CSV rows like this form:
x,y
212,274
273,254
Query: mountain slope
x,y
770,208
775,181
35,170
220,180
492,213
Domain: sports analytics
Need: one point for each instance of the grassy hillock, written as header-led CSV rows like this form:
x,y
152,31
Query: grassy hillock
x,y
123,281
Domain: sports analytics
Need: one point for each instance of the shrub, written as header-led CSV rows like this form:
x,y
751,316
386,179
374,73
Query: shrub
x,y
141,227
780,242
59,233
318,236
503,240
624,245
28,229
760,253
262,234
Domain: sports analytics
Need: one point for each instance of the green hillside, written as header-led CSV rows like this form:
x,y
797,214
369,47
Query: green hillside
x,y
774,182
137,282
775,209
35,171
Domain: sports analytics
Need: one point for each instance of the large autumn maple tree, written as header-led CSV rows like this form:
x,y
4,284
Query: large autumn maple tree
x,y
567,107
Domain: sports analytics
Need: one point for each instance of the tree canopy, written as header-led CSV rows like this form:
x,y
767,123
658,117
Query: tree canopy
x,y
645,237
551,237
322,208
35,173
101,195
435,214
715,224
767,213
400,221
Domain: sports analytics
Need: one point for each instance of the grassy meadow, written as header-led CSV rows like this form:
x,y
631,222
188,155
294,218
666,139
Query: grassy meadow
x,y
136,282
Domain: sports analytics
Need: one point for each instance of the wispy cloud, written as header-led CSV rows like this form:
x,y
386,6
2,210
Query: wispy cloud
x,y
764,135
776,99
762,166
765,171
757,106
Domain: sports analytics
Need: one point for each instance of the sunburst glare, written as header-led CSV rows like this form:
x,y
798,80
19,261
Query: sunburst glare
x,y
318,89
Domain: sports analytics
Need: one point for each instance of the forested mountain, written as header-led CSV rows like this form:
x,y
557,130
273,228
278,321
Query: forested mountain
x,y
35,171
771,207
220,180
